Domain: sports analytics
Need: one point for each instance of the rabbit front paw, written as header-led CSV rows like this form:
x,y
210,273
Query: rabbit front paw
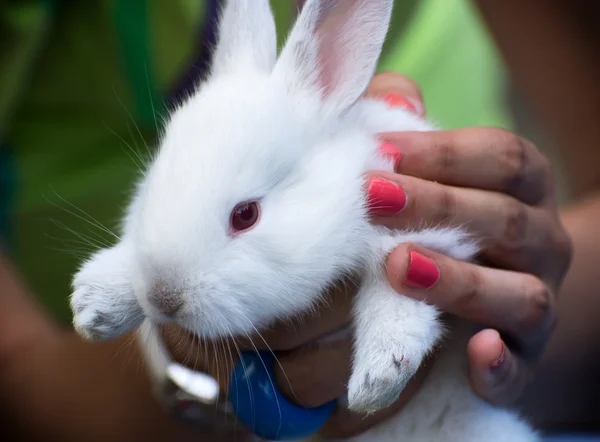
x,y
376,383
99,316
393,334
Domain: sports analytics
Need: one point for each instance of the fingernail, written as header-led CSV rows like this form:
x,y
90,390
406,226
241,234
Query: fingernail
x,y
408,103
422,272
498,362
389,150
385,198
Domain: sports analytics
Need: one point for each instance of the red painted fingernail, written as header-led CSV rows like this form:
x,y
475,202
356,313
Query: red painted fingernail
x,y
498,362
422,272
389,150
410,104
385,198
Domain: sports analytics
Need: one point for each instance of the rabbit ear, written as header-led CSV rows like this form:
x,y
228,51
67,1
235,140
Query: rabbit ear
x,y
247,37
334,47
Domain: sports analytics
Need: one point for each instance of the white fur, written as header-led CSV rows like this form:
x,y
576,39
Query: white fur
x,y
294,135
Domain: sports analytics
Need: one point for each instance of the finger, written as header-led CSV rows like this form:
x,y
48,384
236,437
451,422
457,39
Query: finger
x,y
333,313
496,374
483,158
398,90
511,233
516,303
310,375
218,357
318,372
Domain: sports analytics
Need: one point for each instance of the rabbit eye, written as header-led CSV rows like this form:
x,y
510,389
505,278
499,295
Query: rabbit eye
x,y
244,216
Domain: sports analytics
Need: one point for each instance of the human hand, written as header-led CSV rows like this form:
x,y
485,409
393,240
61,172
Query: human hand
x,y
501,188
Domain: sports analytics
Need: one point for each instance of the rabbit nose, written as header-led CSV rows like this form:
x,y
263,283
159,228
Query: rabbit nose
x,y
166,300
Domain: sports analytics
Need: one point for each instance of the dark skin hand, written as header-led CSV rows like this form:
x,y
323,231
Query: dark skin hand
x,y
501,188
552,48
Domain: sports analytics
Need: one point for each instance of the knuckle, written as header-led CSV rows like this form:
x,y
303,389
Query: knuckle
x,y
558,261
515,158
545,165
473,288
446,156
564,247
445,208
541,175
516,227
526,171
538,311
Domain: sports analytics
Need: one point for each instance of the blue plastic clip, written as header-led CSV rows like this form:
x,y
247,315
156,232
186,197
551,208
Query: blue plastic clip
x,y
262,408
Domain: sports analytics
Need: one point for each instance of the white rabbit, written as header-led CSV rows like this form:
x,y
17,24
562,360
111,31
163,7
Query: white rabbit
x,y
255,204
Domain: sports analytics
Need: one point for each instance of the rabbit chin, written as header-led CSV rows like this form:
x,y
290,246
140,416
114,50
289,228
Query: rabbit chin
x,y
210,326
201,323
210,320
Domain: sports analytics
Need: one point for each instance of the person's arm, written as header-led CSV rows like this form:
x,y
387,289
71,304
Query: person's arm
x,y
566,392
55,387
556,66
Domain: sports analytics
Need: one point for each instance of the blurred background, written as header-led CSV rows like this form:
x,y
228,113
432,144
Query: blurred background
x,y
84,86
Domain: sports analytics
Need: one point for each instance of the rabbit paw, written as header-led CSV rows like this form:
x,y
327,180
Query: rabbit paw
x,y
378,384
393,334
103,315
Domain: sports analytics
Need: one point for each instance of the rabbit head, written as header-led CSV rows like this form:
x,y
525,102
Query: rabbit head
x,y
250,207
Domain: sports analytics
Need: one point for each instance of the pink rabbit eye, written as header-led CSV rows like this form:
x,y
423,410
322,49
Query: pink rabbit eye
x,y
244,216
